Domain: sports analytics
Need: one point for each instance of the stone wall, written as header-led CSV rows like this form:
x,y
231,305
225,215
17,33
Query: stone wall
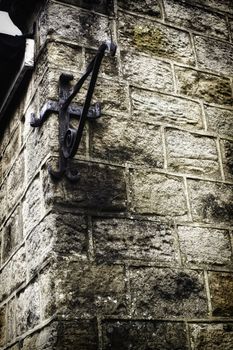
x,y
138,253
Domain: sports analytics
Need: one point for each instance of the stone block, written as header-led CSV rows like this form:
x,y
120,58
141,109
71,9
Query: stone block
x,y
208,53
79,24
219,121
195,18
28,309
164,293
12,234
18,274
3,326
192,153
206,336
147,71
100,187
10,149
227,157
117,240
5,281
144,335
93,290
11,326
211,202
47,292
147,7
201,246
32,206
40,244
109,66
122,141
223,5
208,87
45,339
79,334
159,194
15,181
156,39
102,6
65,56
221,292
157,108
3,202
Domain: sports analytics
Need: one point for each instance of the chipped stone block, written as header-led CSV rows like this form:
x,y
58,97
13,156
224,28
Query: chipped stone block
x,y
147,7
192,153
120,239
159,108
143,35
221,292
211,202
159,194
202,246
164,293
208,87
144,335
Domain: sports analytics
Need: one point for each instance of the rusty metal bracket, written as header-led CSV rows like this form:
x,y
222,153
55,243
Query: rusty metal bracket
x,y
69,137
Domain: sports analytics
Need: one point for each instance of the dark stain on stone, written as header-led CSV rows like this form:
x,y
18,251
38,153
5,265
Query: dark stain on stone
x,y
216,209
229,156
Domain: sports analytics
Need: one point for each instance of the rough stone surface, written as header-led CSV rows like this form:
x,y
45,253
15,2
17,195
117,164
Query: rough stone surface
x,y
3,326
15,181
220,5
227,151
18,273
164,293
100,187
211,336
192,153
204,246
125,141
147,7
117,240
154,193
102,6
144,335
196,18
147,71
208,53
208,87
159,108
143,35
221,292
211,202
219,121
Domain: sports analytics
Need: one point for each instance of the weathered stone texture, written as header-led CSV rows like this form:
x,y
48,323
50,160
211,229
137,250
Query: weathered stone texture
x,y
208,53
5,279
227,151
18,273
15,181
159,194
205,246
147,7
32,206
147,71
211,202
44,339
166,109
120,239
100,187
10,150
220,5
92,290
143,35
11,329
144,335
79,24
28,309
211,336
210,88
192,153
102,6
12,234
196,18
221,291
3,326
126,141
219,121
164,293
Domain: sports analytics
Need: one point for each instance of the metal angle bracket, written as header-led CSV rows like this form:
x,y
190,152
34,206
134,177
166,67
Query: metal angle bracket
x,y
70,137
